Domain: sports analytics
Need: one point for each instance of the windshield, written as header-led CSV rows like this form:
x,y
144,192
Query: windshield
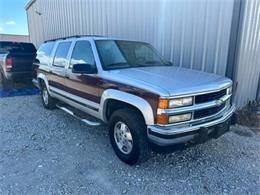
x,y
116,54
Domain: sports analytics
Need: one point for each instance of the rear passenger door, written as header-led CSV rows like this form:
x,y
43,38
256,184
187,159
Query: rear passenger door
x,y
83,87
60,61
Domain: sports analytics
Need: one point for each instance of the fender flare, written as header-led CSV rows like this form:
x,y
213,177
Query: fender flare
x,y
141,104
44,78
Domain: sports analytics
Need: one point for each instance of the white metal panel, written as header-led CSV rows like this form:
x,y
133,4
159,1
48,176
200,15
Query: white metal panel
x,y
248,66
191,33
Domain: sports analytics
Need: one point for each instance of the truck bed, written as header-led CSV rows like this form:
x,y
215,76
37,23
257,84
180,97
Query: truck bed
x,y
16,60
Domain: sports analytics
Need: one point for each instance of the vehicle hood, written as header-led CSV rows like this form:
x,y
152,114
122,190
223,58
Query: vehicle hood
x,y
170,80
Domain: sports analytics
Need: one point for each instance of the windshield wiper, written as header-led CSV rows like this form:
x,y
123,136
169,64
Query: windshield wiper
x,y
117,65
153,62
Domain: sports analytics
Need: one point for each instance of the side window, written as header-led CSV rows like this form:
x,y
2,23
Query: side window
x,y
60,57
44,52
82,54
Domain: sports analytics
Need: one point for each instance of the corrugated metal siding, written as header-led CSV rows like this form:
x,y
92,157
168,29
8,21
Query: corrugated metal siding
x,y
191,33
248,66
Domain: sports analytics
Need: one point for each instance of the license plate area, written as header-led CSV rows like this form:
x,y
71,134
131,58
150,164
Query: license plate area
x,y
206,133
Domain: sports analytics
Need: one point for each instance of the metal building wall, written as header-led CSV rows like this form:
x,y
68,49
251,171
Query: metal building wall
x,y
248,58
16,38
190,33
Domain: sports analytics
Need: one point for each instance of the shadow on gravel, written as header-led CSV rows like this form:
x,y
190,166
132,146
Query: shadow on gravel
x,y
243,131
19,92
19,89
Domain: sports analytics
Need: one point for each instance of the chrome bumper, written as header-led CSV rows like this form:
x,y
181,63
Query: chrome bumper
x,y
167,135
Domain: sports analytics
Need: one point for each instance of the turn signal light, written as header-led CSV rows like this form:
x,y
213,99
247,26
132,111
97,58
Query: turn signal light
x,y
162,119
163,104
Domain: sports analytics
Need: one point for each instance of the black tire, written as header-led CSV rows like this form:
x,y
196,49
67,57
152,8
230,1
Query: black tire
x,y
51,102
141,149
7,84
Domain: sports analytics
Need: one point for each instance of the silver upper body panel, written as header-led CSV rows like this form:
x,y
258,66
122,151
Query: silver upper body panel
x,y
169,81
165,81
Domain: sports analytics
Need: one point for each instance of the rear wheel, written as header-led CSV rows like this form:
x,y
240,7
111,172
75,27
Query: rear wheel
x,y
127,131
47,101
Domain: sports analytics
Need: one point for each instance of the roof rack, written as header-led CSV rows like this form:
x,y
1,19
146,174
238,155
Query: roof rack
x,y
73,36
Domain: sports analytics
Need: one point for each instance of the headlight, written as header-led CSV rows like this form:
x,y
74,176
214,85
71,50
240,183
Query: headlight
x,y
180,102
179,118
165,119
229,90
175,103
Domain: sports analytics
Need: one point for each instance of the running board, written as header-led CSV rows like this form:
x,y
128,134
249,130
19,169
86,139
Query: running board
x,y
86,121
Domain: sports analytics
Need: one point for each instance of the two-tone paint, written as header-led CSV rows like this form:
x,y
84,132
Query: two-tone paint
x,y
139,87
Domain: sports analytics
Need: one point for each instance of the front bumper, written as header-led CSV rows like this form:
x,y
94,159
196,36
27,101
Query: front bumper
x,y
168,135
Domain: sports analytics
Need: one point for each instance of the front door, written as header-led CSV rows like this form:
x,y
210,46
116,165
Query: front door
x,y
84,87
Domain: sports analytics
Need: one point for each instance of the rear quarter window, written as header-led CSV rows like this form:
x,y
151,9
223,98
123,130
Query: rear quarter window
x,y
44,52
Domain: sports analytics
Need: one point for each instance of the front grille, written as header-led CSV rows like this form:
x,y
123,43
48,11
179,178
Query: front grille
x,y
210,96
208,111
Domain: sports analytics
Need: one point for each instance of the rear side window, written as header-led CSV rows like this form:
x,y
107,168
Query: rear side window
x,y
82,54
17,47
60,58
44,52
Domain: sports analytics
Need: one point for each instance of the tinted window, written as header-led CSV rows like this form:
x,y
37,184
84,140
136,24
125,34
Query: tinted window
x,y
44,52
7,46
110,54
60,58
82,54
127,54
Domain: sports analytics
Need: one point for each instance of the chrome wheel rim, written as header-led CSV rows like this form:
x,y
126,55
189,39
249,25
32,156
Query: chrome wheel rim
x,y
45,96
123,137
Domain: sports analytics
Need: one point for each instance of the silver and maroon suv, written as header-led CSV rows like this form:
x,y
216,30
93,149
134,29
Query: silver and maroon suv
x,y
128,85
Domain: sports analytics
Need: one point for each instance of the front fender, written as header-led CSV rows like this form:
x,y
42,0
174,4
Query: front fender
x,y
141,104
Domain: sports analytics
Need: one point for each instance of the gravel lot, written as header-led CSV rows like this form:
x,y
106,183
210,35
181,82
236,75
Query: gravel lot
x,y
49,152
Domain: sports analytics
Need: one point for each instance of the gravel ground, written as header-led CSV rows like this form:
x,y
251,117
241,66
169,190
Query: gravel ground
x,y
49,152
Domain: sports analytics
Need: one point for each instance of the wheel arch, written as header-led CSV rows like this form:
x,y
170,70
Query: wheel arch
x,y
128,99
42,78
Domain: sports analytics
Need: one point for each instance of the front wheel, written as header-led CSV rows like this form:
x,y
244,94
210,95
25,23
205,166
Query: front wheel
x,y
127,131
47,101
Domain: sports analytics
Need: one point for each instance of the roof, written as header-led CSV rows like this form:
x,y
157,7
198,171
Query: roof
x,y
94,37
75,36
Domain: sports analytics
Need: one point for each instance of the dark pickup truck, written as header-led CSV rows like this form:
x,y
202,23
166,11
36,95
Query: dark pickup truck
x,y
16,60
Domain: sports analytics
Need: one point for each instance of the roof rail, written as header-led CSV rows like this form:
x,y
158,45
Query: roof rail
x,y
73,36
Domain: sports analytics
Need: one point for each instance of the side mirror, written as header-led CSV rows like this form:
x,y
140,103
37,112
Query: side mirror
x,y
83,69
